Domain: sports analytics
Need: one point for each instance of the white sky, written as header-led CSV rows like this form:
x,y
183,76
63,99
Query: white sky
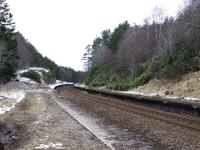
x,y
61,29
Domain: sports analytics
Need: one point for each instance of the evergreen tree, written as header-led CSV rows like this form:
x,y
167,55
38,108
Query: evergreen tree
x,y
8,43
117,36
106,35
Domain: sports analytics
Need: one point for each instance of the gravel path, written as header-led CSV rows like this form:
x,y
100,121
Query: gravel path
x,y
39,123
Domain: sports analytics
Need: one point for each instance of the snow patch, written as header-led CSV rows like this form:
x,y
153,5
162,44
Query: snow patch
x,y
6,108
147,94
34,69
26,80
12,98
42,146
40,71
50,145
29,81
58,83
81,85
162,95
192,99
171,97
17,95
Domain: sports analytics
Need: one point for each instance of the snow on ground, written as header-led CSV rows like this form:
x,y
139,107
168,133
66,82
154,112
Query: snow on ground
x,y
58,83
29,81
9,99
50,145
26,80
81,85
147,94
39,71
34,69
192,99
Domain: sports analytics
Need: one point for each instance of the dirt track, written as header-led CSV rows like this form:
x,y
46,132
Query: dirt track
x,y
39,123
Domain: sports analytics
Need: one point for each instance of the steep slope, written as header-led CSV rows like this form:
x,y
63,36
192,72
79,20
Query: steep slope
x,y
30,57
24,52
187,86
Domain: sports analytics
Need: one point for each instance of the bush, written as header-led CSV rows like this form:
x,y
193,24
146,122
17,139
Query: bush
x,y
142,68
48,77
31,75
116,79
97,83
98,80
171,63
159,62
141,80
196,64
120,84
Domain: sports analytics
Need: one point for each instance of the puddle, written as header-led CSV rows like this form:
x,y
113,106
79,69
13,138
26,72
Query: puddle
x,y
110,135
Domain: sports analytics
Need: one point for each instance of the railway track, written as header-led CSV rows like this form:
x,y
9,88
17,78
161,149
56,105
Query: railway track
x,y
192,123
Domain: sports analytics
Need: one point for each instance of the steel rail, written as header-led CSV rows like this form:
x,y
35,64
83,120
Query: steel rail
x,y
176,119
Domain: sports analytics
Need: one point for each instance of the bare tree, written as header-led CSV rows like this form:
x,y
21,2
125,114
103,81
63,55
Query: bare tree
x,y
158,17
87,57
137,46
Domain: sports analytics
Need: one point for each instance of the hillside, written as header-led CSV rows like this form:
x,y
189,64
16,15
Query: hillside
x,y
30,57
17,53
162,50
24,52
187,86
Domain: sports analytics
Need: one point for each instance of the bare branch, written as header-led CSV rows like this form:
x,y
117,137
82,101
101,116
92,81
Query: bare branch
x,y
193,25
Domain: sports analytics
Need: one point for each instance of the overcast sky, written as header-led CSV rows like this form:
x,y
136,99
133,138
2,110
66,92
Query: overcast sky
x,y
61,29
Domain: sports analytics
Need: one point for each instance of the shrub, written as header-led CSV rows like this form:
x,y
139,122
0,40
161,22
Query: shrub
x,y
119,84
48,77
114,78
196,64
171,63
159,62
142,68
141,80
31,75
98,81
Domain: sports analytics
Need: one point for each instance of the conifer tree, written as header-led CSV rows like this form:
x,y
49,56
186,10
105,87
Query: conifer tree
x,y
8,44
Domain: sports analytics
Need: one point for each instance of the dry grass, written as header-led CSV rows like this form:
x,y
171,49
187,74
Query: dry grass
x,y
188,86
